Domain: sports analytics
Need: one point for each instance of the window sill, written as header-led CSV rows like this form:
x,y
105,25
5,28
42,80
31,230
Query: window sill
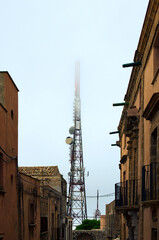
x,y
43,233
32,225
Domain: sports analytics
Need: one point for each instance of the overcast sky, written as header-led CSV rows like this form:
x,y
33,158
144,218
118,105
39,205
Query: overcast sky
x,y
40,42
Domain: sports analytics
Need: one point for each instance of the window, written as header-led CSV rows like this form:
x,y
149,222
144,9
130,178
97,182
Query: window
x,y
124,141
58,226
140,97
63,230
12,114
53,227
44,224
31,214
156,58
1,171
11,178
154,234
124,176
124,232
70,229
154,146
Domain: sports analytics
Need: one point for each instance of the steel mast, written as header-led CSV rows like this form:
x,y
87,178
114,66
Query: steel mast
x,y
77,208
97,212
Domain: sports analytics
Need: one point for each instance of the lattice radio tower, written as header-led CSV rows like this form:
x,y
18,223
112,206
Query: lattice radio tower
x,y
76,208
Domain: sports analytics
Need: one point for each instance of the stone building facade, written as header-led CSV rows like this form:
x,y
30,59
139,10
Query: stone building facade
x,y
53,187
137,193
110,222
103,222
50,201
31,207
9,220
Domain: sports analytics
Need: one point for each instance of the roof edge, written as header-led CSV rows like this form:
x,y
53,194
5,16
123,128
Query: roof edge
x,y
10,78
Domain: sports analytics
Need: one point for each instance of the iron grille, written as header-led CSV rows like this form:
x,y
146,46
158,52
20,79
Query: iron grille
x,y
150,179
126,193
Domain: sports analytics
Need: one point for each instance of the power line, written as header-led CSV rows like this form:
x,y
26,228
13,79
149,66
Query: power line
x,y
106,195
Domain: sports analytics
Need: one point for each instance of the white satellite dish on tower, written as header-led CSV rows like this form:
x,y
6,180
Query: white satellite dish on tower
x,y
72,130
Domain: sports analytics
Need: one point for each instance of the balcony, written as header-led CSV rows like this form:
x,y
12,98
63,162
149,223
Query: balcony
x,y
150,180
126,194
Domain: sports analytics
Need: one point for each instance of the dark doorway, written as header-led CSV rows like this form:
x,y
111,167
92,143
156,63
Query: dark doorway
x,y
154,234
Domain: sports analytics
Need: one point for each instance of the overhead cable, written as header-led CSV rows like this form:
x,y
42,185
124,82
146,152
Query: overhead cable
x,y
106,195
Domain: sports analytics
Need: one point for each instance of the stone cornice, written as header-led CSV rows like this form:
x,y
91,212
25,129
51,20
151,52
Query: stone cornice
x,y
144,37
127,112
123,117
147,26
139,56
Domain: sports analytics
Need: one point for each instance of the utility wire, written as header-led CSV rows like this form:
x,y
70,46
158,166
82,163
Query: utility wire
x,y
15,157
106,195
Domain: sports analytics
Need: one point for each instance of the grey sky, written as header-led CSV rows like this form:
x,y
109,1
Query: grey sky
x,y
40,43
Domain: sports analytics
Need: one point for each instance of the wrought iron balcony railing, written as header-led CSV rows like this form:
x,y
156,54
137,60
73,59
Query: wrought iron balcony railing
x,y
126,193
150,182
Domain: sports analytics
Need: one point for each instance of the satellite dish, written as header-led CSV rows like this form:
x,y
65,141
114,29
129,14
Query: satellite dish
x,y
69,140
71,130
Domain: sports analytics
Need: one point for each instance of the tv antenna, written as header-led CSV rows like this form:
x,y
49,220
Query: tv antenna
x,y
97,212
76,205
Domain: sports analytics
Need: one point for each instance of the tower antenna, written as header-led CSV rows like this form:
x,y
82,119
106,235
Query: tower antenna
x,y
76,208
97,212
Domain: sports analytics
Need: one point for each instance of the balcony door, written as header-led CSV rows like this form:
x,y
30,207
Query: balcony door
x,y
154,146
124,189
154,167
154,234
